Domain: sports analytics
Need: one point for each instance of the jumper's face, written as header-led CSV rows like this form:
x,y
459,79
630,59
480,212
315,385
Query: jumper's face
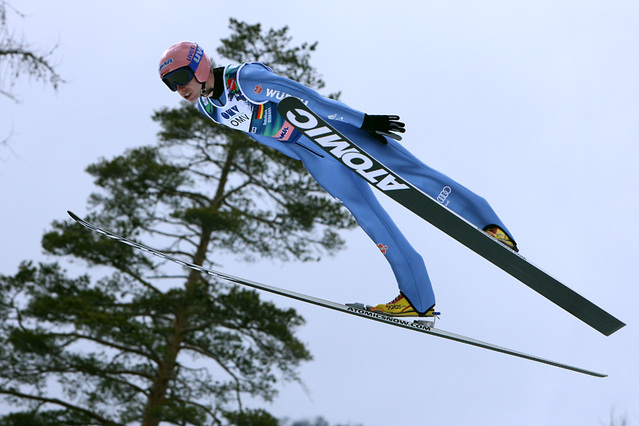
x,y
190,91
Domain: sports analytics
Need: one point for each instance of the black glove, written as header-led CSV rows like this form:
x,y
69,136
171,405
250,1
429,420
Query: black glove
x,y
383,125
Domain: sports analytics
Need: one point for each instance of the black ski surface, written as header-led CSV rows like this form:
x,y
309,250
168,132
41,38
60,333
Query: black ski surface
x,y
379,176
355,309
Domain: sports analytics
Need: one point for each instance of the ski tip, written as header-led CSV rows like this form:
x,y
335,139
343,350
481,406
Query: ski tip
x,y
73,215
607,325
617,327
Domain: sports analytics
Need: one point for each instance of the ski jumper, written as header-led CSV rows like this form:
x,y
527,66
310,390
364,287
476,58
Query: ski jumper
x,y
249,103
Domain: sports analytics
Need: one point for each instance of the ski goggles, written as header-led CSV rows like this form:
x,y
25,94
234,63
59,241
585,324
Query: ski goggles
x,y
179,77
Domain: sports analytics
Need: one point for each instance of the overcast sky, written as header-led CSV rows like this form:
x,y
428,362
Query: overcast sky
x,y
533,105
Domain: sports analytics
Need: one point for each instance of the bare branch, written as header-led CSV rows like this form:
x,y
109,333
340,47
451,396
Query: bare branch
x,y
18,58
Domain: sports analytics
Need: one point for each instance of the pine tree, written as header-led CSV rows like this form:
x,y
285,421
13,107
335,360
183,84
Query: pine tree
x,y
134,340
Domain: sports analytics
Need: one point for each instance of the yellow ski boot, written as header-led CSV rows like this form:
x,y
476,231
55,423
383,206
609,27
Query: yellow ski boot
x,y
498,233
401,307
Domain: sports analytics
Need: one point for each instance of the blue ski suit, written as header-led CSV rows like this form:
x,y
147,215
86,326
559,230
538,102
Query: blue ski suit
x,y
248,103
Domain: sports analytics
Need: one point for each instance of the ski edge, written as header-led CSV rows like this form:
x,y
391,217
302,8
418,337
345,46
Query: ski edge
x,y
333,305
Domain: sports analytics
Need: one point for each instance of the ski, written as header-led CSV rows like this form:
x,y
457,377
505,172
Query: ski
x,y
359,310
384,179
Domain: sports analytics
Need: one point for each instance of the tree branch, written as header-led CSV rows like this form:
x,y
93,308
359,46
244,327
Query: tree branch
x,y
61,403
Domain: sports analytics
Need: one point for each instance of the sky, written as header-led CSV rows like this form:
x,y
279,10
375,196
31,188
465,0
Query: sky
x,y
533,105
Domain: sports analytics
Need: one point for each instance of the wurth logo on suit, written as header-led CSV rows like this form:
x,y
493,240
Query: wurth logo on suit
x,y
278,94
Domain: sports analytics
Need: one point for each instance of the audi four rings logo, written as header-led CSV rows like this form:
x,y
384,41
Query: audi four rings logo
x,y
444,194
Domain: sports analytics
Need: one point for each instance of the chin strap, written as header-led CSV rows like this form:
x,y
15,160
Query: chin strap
x,y
203,91
218,86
